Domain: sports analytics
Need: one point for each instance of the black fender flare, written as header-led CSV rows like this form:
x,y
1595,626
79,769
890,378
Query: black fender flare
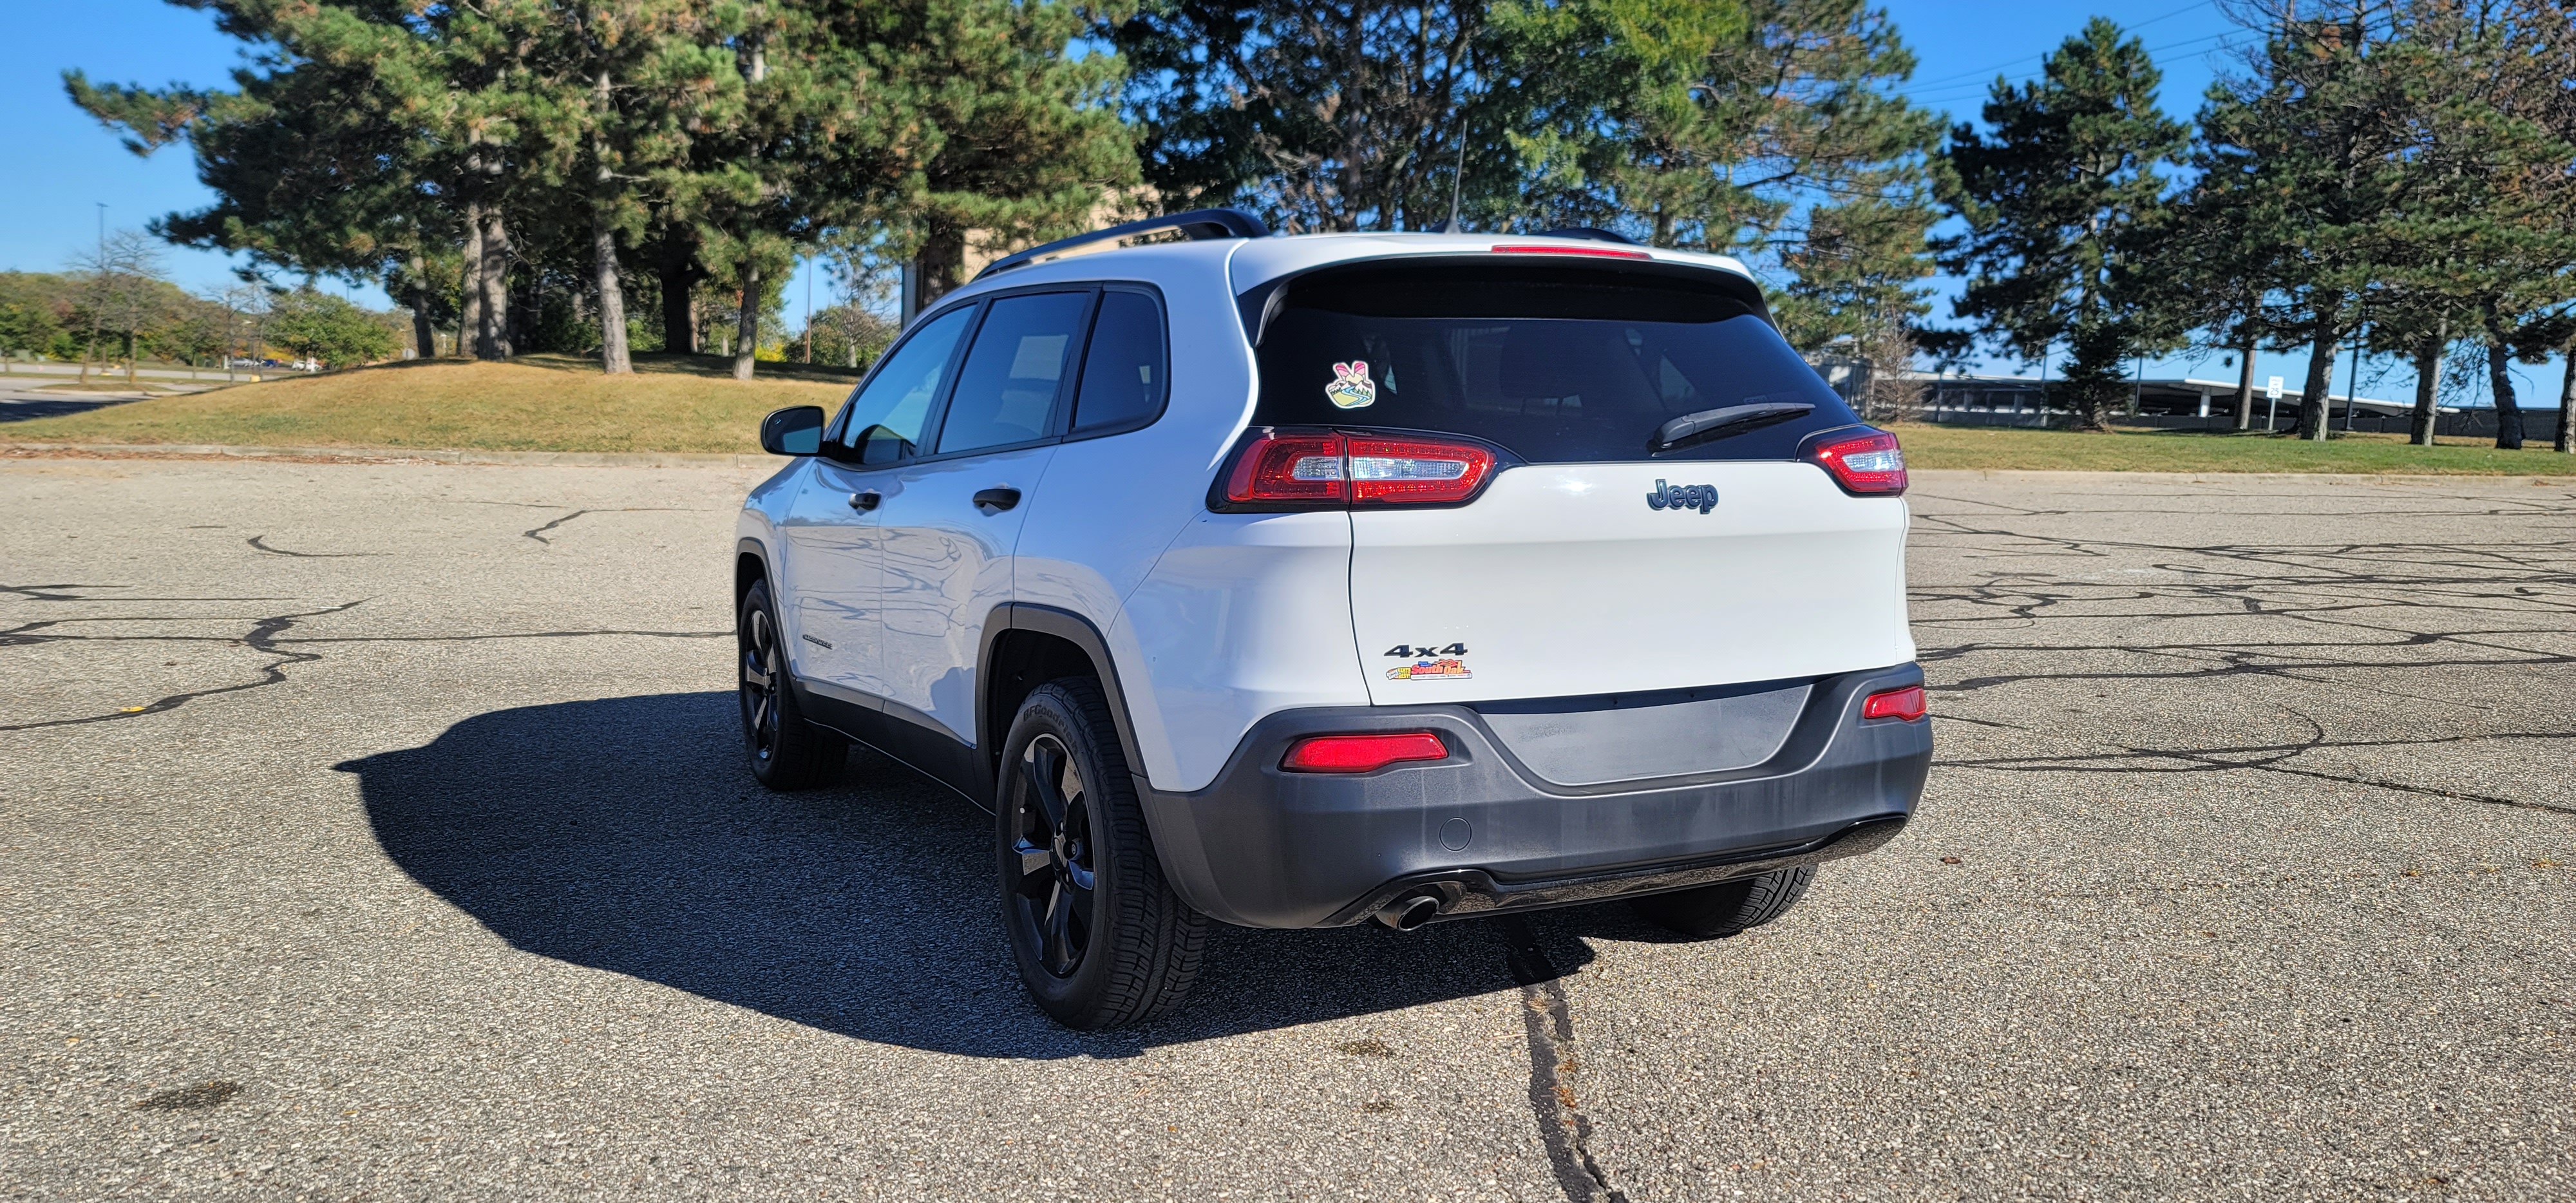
x,y
1074,629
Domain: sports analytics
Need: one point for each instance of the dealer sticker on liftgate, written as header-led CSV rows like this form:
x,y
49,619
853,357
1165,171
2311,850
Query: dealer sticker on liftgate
x,y
1429,670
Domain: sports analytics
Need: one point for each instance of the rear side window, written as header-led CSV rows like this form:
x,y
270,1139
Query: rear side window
x,y
886,417
1554,364
1123,376
1007,390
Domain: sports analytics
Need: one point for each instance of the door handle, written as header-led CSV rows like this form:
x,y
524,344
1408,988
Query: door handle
x,y
863,502
994,501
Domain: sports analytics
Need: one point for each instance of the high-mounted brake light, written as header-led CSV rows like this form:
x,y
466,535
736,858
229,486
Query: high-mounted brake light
x,y
1331,470
1362,753
1906,703
1597,252
1869,463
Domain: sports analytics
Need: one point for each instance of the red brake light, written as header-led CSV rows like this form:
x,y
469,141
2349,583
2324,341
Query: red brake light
x,y
1598,252
1332,470
1906,703
1290,468
1864,463
1362,753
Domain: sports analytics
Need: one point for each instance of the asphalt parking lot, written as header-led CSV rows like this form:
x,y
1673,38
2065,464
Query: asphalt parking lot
x,y
376,831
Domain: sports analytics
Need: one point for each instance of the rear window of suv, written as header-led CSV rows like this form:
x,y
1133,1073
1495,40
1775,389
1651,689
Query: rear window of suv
x,y
1554,364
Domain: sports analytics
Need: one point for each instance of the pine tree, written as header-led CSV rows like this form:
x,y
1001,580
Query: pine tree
x,y
2053,200
1341,115
1013,140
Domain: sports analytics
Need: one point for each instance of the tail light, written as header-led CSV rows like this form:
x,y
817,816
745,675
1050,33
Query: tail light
x,y
1362,753
1868,463
1331,470
1906,703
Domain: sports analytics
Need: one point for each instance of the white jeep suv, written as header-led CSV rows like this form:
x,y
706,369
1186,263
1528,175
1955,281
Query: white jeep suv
x,y
1305,581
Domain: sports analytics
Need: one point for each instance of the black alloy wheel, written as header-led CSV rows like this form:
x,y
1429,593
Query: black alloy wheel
x,y
762,674
1057,884
786,752
1097,934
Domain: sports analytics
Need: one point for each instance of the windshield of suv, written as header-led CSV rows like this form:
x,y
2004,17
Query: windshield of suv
x,y
1554,364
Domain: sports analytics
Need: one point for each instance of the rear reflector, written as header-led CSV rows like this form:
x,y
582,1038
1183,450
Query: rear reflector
x,y
1906,703
1331,470
1866,463
1597,252
1362,753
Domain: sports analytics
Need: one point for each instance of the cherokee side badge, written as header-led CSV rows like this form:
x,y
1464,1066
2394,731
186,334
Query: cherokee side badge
x,y
1682,497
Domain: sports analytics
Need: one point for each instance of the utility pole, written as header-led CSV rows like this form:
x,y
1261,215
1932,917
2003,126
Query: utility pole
x,y
2352,383
809,311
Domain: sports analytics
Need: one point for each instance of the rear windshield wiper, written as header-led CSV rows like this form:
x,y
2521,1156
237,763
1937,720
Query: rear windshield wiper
x,y
1711,424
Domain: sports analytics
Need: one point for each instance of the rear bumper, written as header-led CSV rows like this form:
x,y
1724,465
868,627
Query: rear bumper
x,y
1265,848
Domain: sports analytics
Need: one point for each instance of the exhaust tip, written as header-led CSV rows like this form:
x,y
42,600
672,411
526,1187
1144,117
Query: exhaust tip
x,y
1411,911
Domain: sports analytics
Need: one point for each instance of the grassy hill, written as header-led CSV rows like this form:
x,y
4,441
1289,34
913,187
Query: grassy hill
x,y
1928,446
693,404
533,403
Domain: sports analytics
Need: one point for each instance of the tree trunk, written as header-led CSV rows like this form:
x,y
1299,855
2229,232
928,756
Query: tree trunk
x,y
469,321
129,358
747,323
2500,378
2566,440
2428,389
2245,387
2312,398
424,336
942,264
613,359
492,333
679,272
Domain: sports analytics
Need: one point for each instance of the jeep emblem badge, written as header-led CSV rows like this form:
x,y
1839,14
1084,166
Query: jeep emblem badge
x,y
1682,497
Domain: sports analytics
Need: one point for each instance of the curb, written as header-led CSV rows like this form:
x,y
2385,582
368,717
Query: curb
x,y
388,455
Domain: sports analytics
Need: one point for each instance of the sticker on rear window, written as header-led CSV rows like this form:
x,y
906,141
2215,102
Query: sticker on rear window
x,y
1351,387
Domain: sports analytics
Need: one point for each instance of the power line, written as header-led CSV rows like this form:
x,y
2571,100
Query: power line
x,y
1956,92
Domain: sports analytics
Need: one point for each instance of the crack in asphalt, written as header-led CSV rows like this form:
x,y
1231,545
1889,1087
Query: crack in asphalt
x,y
267,635
538,533
257,544
1563,1128
2331,591
263,636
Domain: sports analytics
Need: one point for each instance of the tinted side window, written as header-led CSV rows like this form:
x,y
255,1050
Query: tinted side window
x,y
1006,392
885,419
1123,373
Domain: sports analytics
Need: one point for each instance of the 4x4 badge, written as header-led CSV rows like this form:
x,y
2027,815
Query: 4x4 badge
x,y
1682,497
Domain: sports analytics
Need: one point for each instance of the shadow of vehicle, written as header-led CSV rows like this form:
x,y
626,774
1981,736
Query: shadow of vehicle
x,y
26,406
625,835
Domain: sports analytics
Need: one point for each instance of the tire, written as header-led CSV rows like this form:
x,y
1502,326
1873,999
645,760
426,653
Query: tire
x,y
1099,937
787,753
1716,911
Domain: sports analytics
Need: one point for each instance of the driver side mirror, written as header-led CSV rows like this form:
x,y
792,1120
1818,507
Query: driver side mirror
x,y
795,430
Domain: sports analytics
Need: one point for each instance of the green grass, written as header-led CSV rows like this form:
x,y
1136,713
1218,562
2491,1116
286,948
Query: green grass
x,y
1990,447
533,403
692,404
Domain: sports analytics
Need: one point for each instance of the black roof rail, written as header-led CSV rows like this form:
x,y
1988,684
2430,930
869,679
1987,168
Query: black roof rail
x,y
1196,224
1587,232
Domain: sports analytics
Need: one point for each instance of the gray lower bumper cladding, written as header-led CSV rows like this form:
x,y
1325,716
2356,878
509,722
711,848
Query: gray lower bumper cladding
x,y
1262,847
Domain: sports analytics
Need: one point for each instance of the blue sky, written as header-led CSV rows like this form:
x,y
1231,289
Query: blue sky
x,y
72,165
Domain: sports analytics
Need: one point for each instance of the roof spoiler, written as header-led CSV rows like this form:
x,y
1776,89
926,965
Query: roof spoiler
x,y
1195,225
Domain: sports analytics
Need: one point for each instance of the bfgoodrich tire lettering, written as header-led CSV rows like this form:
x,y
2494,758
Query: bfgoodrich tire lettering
x,y
1099,937
1729,906
787,753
